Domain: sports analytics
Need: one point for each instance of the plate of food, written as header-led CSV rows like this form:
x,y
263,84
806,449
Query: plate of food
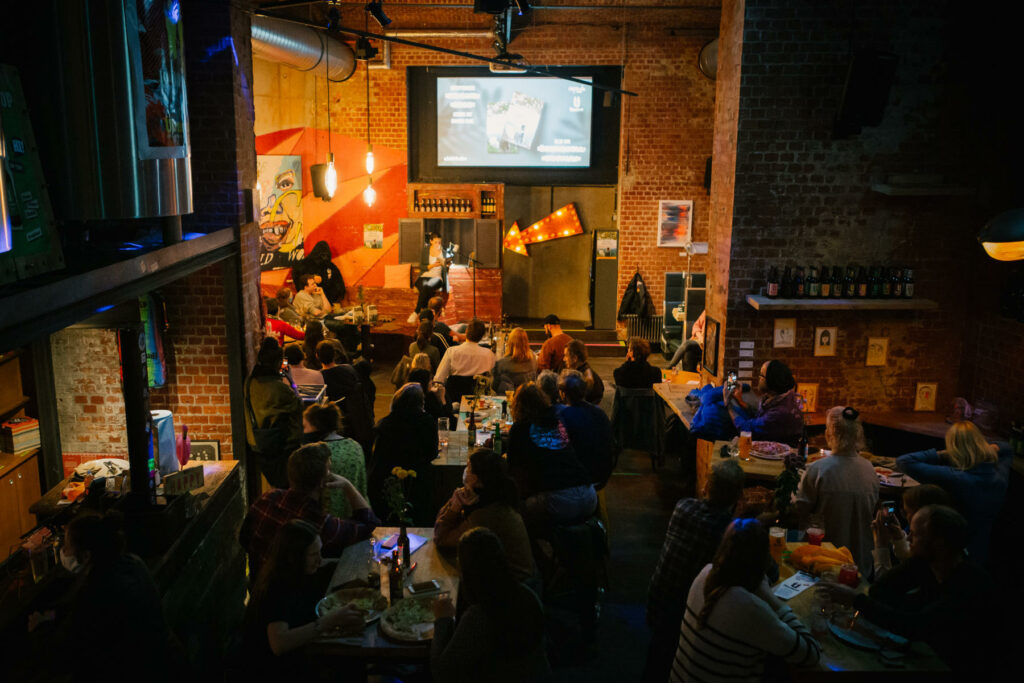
x,y
890,477
410,620
367,600
769,450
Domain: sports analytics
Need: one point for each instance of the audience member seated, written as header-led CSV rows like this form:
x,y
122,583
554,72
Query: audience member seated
x,y
843,488
518,366
779,416
285,309
407,438
694,533
733,620
278,328
311,303
271,404
489,498
296,358
589,429
323,423
891,542
444,337
547,381
689,353
711,422
938,595
344,388
114,594
327,275
973,472
433,394
364,369
420,361
465,361
575,358
553,482
500,638
636,372
314,335
422,344
281,615
552,353
309,476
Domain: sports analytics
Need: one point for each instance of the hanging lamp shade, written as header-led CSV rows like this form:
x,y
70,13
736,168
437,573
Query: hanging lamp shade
x,y
1003,236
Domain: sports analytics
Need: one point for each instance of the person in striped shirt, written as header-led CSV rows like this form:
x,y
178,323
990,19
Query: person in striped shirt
x,y
733,621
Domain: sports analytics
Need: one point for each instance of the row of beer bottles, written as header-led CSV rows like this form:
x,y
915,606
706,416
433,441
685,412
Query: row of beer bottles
x,y
876,282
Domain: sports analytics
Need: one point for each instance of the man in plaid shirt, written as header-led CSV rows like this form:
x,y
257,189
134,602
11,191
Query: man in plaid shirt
x,y
694,533
308,475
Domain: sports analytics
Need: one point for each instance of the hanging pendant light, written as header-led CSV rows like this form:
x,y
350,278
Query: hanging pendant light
x,y
369,194
1003,236
325,176
330,176
369,158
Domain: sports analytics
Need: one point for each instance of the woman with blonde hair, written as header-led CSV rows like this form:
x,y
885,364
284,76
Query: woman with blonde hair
x,y
973,472
843,488
519,365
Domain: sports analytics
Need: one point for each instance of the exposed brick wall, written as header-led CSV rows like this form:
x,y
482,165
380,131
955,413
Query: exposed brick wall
x,y
802,198
666,132
90,404
196,350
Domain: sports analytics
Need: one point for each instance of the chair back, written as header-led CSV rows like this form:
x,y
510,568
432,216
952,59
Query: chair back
x,y
638,421
458,386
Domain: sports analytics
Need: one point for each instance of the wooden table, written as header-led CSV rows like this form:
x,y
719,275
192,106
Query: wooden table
x,y
675,396
372,644
838,657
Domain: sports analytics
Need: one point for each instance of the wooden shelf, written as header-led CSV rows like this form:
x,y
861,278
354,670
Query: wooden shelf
x,y
472,197
763,303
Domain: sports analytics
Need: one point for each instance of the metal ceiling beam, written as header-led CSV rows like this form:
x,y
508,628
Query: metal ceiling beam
x,y
458,53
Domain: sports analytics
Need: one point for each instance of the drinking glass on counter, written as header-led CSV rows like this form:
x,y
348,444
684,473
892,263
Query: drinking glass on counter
x,y
746,440
777,543
815,529
443,424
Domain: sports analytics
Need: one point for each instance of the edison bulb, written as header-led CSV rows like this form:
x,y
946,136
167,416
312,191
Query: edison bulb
x,y
369,195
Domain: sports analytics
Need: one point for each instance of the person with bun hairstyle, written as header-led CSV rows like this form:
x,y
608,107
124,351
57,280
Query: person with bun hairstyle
x,y
733,621
270,403
843,488
779,416
322,422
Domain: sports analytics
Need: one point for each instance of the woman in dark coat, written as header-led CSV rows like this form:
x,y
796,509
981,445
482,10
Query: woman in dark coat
x,y
407,438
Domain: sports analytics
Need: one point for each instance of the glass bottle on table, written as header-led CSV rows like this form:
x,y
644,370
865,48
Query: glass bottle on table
x,y
471,427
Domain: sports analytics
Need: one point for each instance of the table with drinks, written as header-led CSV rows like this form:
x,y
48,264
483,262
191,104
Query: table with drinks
x,y
830,622
360,565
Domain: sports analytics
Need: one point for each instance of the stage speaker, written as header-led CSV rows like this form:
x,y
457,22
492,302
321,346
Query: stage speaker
x,y
866,93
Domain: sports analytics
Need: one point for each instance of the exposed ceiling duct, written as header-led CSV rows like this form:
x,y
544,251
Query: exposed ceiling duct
x,y
300,47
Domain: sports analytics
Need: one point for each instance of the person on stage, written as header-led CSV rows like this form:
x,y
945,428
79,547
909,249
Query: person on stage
x,y
433,274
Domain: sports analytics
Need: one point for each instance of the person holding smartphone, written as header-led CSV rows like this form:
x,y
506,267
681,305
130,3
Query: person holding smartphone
x,y
891,543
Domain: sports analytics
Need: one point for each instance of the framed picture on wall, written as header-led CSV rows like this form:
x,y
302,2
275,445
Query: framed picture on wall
x,y
825,341
205,450
675,222
878,351
924,396
607,244
808,393
711,331
785,333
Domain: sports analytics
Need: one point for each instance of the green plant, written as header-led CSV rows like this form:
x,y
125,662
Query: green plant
x,y
396,495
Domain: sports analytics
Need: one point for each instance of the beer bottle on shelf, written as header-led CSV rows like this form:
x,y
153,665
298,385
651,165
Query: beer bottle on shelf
x,y
908,284
862,283
897,283
850,283
886,288
837,282
874,283
416,203
773,283
813,287
799,286
825,288
786,287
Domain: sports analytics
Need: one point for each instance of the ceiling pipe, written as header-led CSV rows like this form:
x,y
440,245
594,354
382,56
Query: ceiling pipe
x,y
300,47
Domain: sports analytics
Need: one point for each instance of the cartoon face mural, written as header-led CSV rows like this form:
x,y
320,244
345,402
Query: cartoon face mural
x,y
280,211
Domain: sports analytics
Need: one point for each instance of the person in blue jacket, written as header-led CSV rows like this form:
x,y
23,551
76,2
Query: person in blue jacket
x,y
973,472
711,422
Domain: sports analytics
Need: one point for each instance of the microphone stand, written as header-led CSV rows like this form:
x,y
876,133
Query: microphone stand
x,y
473,265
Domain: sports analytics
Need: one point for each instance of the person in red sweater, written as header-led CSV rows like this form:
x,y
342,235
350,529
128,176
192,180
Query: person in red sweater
x,y
277,328
551,355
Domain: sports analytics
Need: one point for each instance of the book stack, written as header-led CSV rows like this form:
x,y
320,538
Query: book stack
x,y
19,434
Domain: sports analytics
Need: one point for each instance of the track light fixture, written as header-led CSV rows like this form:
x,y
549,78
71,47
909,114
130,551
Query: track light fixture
x,y
376,9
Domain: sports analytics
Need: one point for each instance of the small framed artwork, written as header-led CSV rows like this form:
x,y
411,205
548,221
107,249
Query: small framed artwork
x,y
785,333
607,244
808,394
878,351
675,220
205,450
711,331
924,397
825,341
373,235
